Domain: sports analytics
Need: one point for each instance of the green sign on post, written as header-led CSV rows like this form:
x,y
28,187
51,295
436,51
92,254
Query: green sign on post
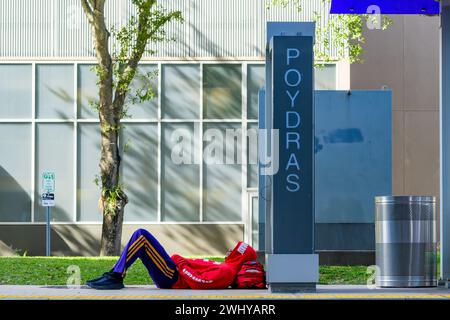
x,y
48,182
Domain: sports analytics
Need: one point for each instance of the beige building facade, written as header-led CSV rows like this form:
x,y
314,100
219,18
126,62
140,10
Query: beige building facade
x,y
405,58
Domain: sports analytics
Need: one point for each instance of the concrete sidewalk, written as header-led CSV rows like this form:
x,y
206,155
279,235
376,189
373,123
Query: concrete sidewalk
x,y
151,292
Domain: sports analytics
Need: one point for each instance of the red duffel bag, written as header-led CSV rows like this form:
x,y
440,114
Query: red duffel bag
x,y
251,276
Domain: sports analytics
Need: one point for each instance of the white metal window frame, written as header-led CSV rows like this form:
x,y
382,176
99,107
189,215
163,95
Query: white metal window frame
x,y
159,121
252,193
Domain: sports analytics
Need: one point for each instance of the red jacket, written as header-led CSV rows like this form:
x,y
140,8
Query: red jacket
x,y
205,274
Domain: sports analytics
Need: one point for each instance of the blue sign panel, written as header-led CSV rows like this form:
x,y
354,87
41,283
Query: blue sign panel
x,y
293,116
353,159
430,7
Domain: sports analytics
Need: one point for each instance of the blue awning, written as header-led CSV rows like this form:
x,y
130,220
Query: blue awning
x,y
429,7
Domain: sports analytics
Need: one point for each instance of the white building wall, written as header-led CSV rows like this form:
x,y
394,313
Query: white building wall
x,y
212,28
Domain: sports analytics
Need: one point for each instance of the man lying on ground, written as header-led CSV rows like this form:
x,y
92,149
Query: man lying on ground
x,y
174,272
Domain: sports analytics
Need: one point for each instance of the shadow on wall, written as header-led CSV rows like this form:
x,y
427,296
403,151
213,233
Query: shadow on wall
x,y
15,202
66,240
73,240
138,170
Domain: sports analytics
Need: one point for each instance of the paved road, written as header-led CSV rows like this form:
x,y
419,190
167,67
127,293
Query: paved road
x,y
151,292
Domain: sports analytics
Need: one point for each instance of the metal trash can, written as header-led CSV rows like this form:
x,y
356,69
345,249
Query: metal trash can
x,y
406,248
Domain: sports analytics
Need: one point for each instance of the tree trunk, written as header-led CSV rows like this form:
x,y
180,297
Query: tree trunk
x,y
112,233
113,197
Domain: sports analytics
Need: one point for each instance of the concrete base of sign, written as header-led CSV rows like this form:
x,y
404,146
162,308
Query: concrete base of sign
x,y
292,272
444,283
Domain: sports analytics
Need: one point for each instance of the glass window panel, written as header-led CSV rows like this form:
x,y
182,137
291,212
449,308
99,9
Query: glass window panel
x,y
88,158
15,90
180,91
87,91
140,171
255,223
180,182
54,152
54,91
222,173
325,77
252,155
222,91
147,109
255,82
15,172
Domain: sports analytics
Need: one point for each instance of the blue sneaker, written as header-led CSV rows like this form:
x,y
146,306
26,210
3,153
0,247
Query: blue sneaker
x,y
96,279
108,281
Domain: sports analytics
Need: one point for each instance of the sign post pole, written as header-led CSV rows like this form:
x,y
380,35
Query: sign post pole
x,y
292,265
48,201
47,238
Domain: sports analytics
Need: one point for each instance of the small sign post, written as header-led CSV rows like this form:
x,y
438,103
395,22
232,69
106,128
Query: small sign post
x,y
48,201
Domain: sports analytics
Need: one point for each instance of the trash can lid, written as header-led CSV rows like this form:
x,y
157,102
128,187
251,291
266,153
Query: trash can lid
x,y
404,199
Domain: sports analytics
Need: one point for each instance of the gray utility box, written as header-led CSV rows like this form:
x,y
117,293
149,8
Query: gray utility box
x,y
406,248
